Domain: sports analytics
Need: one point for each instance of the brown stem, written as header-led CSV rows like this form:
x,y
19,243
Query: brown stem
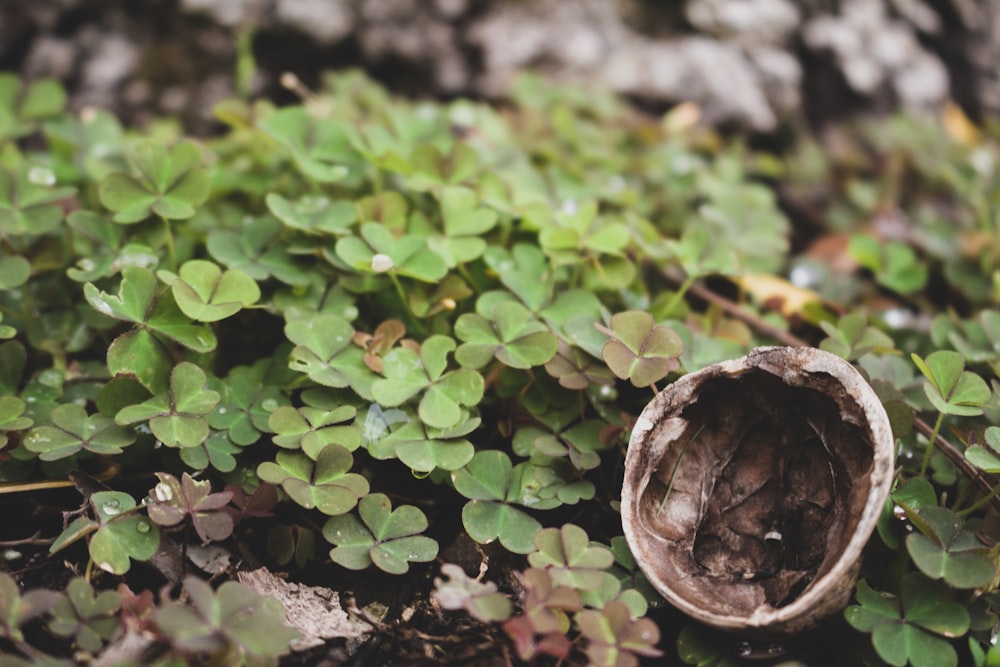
x,y
734,310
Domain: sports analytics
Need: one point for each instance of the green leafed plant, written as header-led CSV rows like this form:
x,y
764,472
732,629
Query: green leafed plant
x,y
381,535
489,484
324,484
912,628
73,430
87,618
168,182
234,623
177,417
480,599
176,500
639,350
615,638
205,293
944,550
510,334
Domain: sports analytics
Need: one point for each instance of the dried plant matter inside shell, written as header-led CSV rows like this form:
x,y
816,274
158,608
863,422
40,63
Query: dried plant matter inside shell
x,y
752,486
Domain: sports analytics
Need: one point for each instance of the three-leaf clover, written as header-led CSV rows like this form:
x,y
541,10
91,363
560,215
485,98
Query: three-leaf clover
x,y
913,627
852,337
424,449
375,250
444,394
325,484
119,534
169,183
576,369
569,557
177,416
249,395
464,226
319,146
944,550
142,352
72,430
234,619
22,106
256,249
89,619
324,352
457,590
29,204
378,534
175,500
615,638
207,294
488,482
951,389
311,429
511,334
639,350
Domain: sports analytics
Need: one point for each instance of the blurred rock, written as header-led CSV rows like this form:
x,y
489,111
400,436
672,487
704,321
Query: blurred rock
x,y
744,62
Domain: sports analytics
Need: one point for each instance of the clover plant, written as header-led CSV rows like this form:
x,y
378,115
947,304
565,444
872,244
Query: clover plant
x,y
354,332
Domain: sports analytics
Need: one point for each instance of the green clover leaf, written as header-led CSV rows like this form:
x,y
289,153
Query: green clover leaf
x,y
575,369
944,550
425,449
256,248
248,397
488,482
949,387
320,147
430,167
312,429
207,294
324,484
11,410
615,638
913,627
388,538
22,105
324,352
251,625
89,619
986,458
464,226
314,214
177,416
141,352
375,250
72,430
408,373
29,202
894,264
852,338
570,558
170,183
510,334
638,350
120,536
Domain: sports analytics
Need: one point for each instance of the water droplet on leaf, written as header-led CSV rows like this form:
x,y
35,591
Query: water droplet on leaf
x,y
41,176
112,507
142,526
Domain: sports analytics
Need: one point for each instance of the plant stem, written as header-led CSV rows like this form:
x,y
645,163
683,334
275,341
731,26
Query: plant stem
x,y
406,303
171,253
982,502
679,295
930,444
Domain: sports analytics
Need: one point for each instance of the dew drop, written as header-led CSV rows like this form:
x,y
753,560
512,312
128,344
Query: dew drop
x,y
744,649
41,176
112,507
142,526
163,492
222,411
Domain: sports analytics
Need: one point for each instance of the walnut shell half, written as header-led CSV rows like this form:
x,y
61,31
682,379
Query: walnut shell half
x,y
752,486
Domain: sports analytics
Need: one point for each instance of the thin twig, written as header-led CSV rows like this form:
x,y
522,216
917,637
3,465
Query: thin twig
x,y
34,539
737,311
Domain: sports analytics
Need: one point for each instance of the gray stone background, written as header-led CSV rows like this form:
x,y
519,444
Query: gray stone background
x,y
753,64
